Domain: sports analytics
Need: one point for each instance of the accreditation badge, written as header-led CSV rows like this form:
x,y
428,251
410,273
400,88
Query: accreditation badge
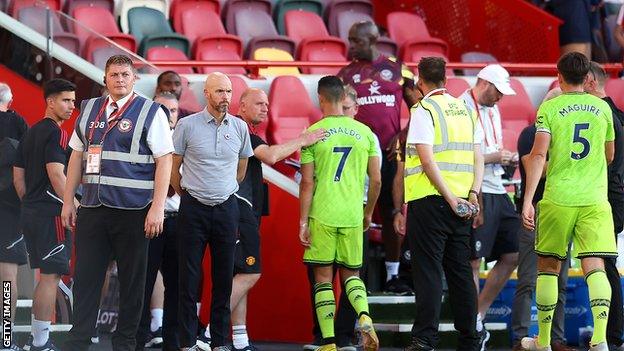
x,y
94,158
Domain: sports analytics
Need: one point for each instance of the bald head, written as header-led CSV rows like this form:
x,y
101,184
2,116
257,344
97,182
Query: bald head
x,y
218,93
553,93
363,38
254,106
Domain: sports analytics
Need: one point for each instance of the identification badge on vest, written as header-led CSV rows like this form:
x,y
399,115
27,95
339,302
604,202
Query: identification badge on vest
x,y
94,157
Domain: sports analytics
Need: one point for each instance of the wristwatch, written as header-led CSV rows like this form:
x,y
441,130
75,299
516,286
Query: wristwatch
x,y
395,211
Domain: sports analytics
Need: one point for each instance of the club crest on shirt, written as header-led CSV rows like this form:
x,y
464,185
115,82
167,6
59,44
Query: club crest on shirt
x,y
386,74
124,125
250,260
356,78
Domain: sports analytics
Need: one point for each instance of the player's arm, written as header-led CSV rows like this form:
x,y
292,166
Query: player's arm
x,y
306,191
618,33
609,151
374,186
275,153
176,176
241,169
478,168
74,174
534,164
19,181
398,191
57,177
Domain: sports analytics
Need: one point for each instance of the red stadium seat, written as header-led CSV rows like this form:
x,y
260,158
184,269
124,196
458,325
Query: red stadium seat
x,y
256,30
232,7
387,46
101,21
410,33
338,7
219,48
15,6
35,17
180,8
416,55
346,19
238,87
614,89
456,86
70,5
168,54
303,24
516,111
200,22
291,110
476,57
322,49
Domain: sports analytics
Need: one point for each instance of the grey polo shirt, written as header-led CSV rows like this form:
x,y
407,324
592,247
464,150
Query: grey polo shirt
x,y
211,155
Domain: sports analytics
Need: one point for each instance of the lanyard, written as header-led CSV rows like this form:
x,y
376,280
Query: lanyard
x,y
491,115
114,118
438,91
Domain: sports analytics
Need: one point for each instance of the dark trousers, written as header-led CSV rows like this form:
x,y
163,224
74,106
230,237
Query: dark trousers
x,y
163,255
615,324
344,326
439,242
199,225
100,233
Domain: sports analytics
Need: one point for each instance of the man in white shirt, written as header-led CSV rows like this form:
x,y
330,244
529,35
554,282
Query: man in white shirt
x,y
122,156
495,230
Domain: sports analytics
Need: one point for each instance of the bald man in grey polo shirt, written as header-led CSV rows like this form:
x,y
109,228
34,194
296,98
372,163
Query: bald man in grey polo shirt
x,y
213,146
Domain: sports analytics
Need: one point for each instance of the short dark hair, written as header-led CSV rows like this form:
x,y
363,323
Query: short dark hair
x,y
121,60
599,73
166,95
57,86
573,67
331,88
432,70
162,75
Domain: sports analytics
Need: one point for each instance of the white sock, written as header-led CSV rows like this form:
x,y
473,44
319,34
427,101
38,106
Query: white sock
x,y
392,269
239,336
40,332
207,332
157,317
479,322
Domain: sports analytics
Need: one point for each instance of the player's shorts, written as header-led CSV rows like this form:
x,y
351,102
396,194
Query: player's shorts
x,y
499,233
12,245
590,228
48,242
247,254
330,245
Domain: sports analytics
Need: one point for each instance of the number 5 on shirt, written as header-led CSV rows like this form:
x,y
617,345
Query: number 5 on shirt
x,y
579,139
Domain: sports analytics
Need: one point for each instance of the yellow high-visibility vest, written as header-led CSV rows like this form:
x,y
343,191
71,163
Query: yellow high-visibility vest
x,y
453,149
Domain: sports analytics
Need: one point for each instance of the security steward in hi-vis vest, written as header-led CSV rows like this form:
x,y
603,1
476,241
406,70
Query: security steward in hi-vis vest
x,y
443,171
121,153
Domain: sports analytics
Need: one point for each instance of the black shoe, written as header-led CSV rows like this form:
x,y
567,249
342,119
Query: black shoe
x,y
396,286
49,346
250,347
484,337
203,342
417,345
155,339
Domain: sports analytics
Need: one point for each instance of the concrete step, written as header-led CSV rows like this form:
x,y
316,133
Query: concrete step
x,y
399,334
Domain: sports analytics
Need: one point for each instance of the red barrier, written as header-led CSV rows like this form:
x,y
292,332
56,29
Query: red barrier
x,y
28,98
511,30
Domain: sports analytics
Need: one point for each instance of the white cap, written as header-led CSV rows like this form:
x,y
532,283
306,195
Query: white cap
x,y
498,76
